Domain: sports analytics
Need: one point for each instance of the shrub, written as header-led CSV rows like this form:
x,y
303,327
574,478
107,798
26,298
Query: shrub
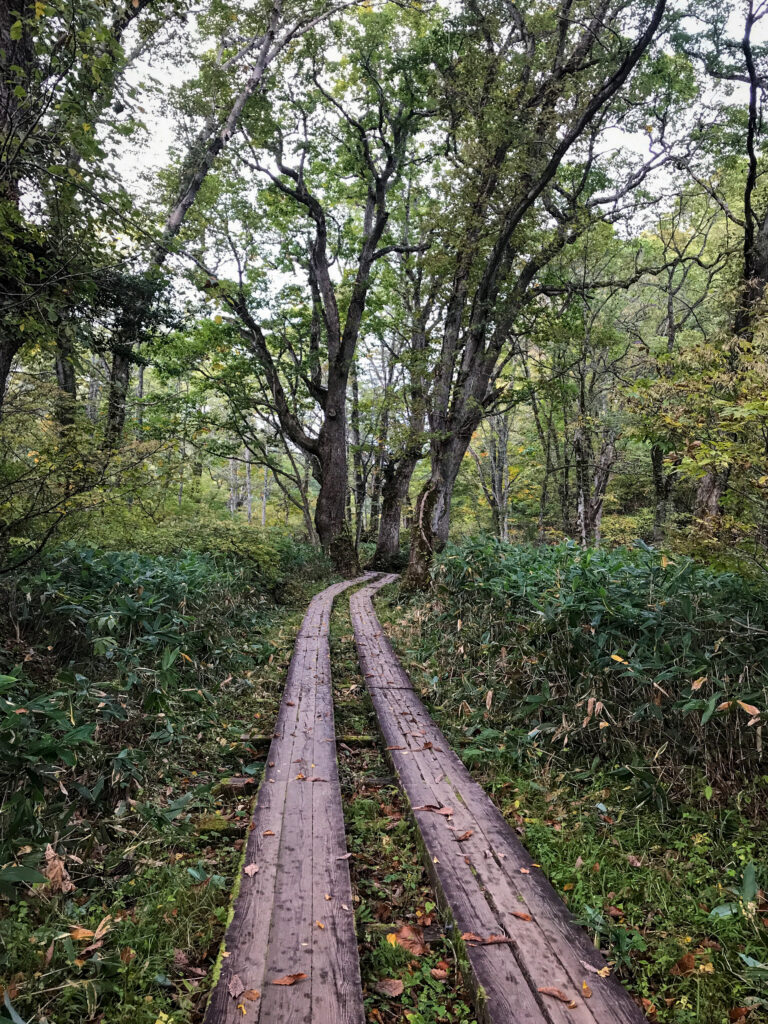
x,y
619,653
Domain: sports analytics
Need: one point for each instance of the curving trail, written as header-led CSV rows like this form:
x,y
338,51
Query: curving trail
x,y
294,915
482,873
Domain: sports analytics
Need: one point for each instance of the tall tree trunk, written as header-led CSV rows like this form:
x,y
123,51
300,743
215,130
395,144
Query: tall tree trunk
x,y
66,399
662,487
357,458
119,379
396,480
431,520
330,511
248,488
264,496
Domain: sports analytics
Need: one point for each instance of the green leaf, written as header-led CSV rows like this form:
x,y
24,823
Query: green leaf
x,y
17,30
20,873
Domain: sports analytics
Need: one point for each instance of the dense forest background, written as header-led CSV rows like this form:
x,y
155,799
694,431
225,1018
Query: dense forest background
x,y
472,291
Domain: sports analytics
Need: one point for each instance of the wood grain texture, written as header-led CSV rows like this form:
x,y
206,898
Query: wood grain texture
x,y
297,841
487,881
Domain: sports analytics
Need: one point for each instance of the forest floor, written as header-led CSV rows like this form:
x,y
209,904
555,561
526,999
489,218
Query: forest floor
x,y
136,939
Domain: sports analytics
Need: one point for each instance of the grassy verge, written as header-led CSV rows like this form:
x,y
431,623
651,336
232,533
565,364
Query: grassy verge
x,y
161,692
668,882
402,944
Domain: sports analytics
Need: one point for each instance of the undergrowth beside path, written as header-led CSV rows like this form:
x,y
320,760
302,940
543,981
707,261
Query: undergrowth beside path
x,y
132,687
571,684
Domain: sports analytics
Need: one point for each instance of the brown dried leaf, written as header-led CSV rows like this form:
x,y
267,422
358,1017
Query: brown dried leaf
x,y
252,993
251,869
80,934
586,991
56,872
269,832
236,987
634,862
522,915
749,708
411,939
390,987
127,954
289,979
464,836
557,993
445,811
685,965
439,974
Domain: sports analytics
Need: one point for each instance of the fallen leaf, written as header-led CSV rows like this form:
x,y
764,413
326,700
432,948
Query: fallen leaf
x,y
390,987
648,1006
251,869
464,836
602,972
252,994
127,954
446,811
621,661
522,915
396,748
524,871
738,1013
586,991
439,974
49,955
749,708
236,987
685,965
289,979
80,934
320,925
411,939
471,938
698,683
635,862
557,993
56,872
269,832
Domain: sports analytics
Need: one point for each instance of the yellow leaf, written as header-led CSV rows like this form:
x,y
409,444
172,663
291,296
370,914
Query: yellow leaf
x,y
698,683
749,708
392,939
618,658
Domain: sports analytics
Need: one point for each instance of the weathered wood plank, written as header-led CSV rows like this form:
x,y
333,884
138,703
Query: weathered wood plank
x,y
297,842
479,877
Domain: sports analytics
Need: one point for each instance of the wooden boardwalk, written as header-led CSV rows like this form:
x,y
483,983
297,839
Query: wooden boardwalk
x,y
530,961
290,952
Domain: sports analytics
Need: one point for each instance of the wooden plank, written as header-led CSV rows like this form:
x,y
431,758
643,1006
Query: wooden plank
x,y
479,876
297,842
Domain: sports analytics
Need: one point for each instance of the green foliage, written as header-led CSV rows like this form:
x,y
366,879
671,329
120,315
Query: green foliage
x,y
133,644
611,652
